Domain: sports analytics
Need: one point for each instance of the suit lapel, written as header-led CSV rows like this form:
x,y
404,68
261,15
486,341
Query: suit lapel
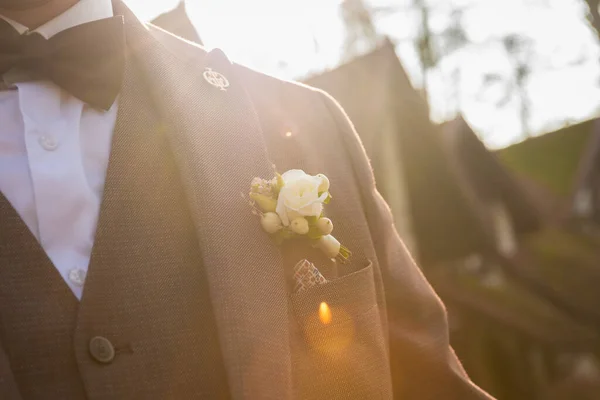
x,y
219,148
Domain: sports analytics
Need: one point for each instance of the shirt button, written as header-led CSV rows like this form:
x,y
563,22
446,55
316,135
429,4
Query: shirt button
x,y
102,350
48,142
77,277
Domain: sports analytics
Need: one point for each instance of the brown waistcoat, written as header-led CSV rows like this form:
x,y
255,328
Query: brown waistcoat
x,y
146,290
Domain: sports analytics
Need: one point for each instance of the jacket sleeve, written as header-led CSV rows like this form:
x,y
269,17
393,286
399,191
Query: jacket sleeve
x,y
423,364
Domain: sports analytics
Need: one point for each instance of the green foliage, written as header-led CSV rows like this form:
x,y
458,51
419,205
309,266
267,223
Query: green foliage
x,y
314,233
564,248
568,262
280,183
312,220
513,297
283,235
551,160
267,204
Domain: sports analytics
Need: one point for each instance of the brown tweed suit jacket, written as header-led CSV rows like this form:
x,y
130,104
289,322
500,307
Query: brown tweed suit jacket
x,y
388,337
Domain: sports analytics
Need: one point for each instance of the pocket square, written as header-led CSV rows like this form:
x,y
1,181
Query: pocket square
x,y
306,275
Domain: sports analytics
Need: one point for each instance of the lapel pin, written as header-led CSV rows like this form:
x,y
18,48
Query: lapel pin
x,y
216,79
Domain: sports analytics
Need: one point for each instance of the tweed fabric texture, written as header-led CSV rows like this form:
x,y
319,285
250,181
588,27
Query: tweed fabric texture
x,y
346,357
38,312
359,350
419,342
219,145
413,320
384,315
146,290
259,331
8,384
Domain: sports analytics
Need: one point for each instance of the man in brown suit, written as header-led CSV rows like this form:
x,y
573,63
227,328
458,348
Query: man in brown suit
x,y
182,295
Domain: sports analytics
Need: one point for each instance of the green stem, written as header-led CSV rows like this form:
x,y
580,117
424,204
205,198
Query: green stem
x,y
344,254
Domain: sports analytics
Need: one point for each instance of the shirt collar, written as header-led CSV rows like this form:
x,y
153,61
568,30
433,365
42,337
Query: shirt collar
x,y
83,12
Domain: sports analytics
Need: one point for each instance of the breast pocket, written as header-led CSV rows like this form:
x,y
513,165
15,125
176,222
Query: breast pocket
x,y
338,344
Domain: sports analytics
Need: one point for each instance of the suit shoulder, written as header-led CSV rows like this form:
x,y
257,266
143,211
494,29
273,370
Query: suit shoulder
x,y
252,76
176,45
273,97
254,80
287,96
285,106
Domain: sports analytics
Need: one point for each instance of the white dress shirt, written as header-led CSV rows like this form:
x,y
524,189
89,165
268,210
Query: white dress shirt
x,y
54,152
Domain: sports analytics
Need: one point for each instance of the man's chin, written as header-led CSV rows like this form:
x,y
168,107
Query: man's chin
x,y
21,4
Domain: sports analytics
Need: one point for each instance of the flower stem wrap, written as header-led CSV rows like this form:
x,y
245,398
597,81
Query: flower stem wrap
x,y
333,249
329,245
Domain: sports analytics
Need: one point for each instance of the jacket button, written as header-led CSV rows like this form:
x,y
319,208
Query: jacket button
x,y
102,350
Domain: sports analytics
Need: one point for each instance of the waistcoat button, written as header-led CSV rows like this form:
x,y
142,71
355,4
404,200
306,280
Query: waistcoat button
x,y
102,350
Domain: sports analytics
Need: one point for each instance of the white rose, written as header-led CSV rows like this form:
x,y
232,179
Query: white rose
x,y
299,196
324,186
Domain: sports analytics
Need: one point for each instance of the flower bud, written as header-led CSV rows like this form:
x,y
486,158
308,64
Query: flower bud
x,y
271,222
325,226
267,204
300,226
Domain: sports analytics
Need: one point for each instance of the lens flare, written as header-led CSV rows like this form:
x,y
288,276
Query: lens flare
x,y
325,313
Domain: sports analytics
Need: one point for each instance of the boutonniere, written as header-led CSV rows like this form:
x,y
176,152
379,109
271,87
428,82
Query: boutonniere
x,y
292,205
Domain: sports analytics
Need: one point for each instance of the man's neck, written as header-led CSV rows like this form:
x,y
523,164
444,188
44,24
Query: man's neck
x,y
36,16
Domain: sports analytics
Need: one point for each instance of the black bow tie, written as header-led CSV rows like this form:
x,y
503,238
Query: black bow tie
x,y
87,61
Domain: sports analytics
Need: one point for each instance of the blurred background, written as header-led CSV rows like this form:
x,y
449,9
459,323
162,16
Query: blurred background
x,y
480,118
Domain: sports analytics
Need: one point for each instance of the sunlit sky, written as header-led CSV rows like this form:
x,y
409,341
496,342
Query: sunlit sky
x,y
293,39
